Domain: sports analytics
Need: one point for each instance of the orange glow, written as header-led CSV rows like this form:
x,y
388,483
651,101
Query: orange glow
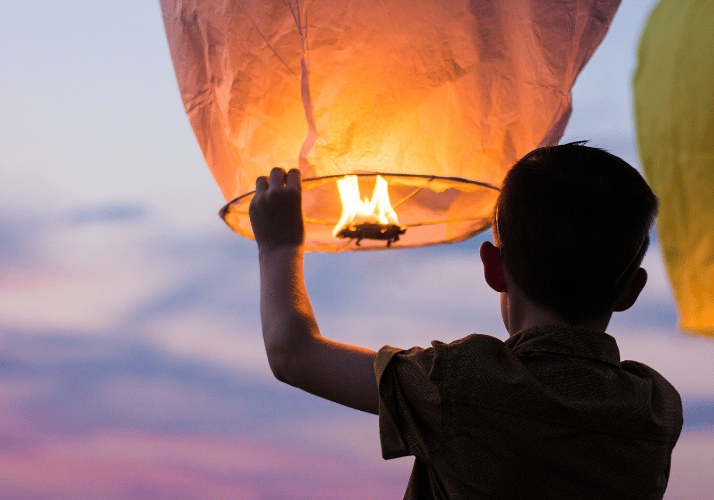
x,y
378,210
450,91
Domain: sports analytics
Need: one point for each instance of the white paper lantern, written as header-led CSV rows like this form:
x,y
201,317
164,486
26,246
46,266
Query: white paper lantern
x,y
438,97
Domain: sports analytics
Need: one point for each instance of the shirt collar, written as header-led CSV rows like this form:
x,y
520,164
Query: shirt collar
x,y
567,340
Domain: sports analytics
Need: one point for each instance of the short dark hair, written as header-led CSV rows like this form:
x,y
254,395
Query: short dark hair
x,y
573,222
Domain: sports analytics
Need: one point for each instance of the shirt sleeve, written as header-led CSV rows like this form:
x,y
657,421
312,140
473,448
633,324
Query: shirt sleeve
x,y
410,407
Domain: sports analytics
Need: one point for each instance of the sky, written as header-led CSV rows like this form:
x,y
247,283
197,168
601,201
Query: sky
x,y
131,359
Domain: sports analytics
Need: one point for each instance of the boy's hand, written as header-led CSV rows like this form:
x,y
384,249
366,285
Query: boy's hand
x,y
276,210
298,354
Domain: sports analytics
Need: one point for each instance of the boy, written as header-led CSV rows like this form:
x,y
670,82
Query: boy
x,y
551,412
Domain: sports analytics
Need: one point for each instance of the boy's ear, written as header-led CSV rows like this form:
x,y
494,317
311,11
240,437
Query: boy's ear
x,y
492,266
630,294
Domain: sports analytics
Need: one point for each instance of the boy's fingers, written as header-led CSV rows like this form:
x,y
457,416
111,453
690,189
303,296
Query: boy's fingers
x,y
277,177
261,184
293,179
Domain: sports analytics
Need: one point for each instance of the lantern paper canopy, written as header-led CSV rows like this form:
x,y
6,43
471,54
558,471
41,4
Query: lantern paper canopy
x,y
438,97
673,90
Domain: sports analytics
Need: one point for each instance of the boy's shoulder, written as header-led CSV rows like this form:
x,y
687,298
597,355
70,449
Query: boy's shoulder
x,y
564,376
661,388
570,341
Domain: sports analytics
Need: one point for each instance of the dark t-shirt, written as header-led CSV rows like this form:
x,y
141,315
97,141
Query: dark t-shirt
x,y
550,413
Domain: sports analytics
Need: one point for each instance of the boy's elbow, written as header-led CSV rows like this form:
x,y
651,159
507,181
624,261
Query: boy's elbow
x,y
286,365
287,353
276,361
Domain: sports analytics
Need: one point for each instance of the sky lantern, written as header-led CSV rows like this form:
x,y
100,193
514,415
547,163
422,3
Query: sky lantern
x,y
673,89
403,116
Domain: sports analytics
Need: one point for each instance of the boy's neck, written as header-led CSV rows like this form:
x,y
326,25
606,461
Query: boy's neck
x,y
520,312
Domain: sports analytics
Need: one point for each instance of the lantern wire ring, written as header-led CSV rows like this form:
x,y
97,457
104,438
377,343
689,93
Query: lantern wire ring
x,y
224,211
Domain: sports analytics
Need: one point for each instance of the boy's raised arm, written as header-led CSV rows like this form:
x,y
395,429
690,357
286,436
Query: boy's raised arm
x,y
297,353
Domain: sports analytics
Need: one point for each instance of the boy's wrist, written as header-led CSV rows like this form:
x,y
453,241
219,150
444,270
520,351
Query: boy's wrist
x,y
289,250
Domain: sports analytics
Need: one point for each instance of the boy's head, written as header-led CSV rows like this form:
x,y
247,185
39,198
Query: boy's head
x,y
572,223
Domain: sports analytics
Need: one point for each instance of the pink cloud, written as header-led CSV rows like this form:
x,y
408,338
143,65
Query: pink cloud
x,y
120,465
127,465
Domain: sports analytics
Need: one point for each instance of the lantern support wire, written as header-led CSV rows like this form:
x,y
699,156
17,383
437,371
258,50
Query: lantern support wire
x,y
267,43
407,198
443,221
459,180
319,221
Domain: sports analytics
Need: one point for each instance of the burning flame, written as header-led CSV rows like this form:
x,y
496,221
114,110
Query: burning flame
x,y
378,210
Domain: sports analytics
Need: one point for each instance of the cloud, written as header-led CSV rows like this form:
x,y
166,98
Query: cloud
x,y
78,272
118,465
108,213
136,422
16,239
692,463
197,295
699,414
85,278
83,414
75,385
222,340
